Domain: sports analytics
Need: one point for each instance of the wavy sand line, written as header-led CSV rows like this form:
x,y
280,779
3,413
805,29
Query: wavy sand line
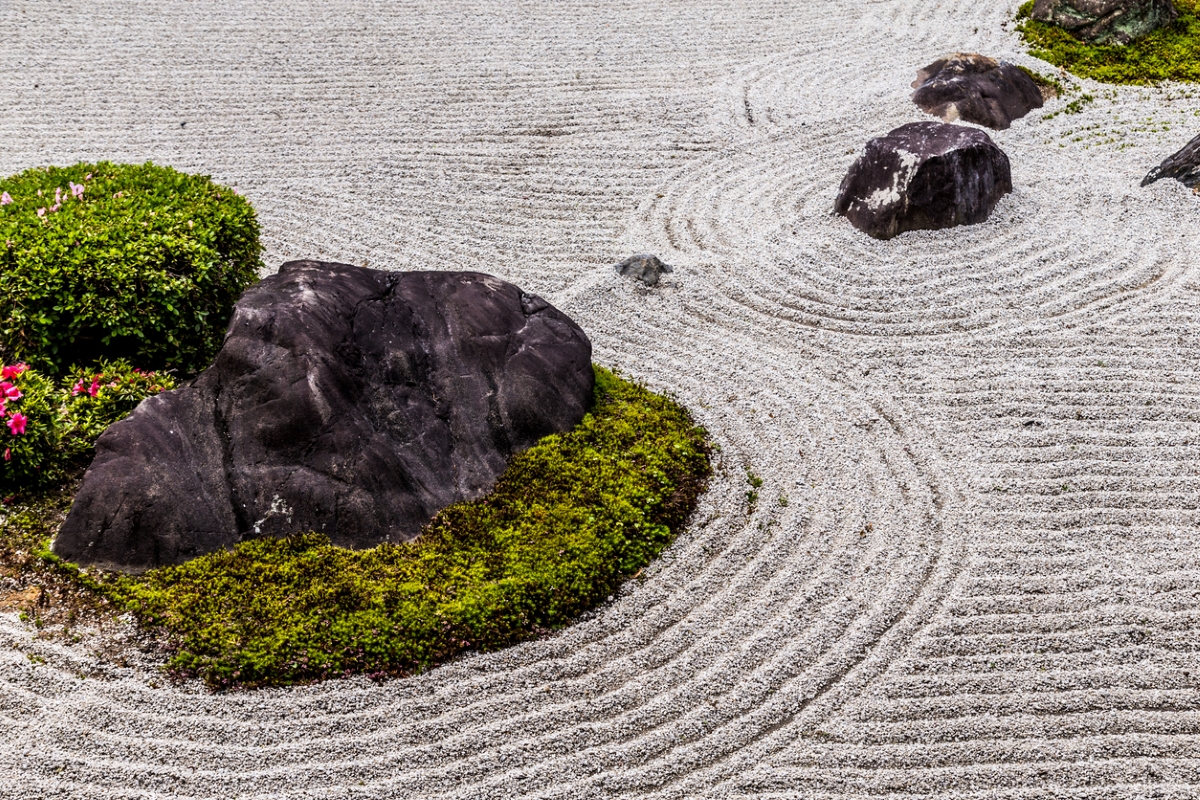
x,y
1009,406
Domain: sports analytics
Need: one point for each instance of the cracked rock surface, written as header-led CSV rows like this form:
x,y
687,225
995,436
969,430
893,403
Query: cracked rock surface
x,y
1106,21
345,400
1183,166
924,175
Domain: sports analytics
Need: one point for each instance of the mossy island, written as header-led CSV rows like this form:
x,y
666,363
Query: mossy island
x,y
568,522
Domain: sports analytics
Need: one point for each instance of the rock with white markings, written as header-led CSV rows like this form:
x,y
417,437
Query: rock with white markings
x,y
1183,166
924,175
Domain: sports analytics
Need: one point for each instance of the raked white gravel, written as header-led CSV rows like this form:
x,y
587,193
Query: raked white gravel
x,y
985,581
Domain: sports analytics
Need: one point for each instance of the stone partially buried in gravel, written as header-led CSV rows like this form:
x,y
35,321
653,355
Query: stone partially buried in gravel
x,y
345,400
975,88
1183,166
644,267
924,175
1106,21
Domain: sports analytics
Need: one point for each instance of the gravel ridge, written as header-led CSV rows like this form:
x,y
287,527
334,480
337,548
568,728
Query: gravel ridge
x,y
973,570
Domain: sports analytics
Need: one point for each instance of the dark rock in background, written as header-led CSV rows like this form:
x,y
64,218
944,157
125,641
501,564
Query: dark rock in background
x,y
645,268
975,88
1106,21
924,175
1184,167
345,400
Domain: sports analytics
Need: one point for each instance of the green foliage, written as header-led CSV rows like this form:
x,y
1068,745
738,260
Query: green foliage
x,y
50,428
1169,53
1048,86
755,484
569,520
120,261
32,427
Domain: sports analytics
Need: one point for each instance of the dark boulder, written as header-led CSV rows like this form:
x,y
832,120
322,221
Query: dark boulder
x,y
1184,167
924,175
645,268
1106,21
344,400
975,88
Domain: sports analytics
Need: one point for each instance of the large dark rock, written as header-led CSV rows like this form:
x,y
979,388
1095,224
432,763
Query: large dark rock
x,y
1106,21
975,88
1184,167
924,175
345,400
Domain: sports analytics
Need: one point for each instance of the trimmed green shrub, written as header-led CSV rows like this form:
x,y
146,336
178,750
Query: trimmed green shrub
x,y
50,429
569,520
1170,53
142,263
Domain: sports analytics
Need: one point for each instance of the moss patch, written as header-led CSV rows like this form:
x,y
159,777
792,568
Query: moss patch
x,y
1170,53
568,522
1049,87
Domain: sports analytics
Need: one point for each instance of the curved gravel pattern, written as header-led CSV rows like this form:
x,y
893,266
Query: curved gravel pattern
x,y
973,570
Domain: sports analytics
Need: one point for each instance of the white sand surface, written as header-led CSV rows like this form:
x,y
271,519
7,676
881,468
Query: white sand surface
x,y
986,580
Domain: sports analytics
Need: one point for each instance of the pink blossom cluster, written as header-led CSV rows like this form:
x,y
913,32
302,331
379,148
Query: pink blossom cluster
x,y
76,192
93,389
93,386
8,391
73,190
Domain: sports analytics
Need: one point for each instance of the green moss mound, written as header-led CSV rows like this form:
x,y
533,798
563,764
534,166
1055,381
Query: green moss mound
x,y
1171,53
141,263
569,520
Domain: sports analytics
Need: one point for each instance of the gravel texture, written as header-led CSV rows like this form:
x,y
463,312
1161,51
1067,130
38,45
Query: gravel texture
x,y
985,582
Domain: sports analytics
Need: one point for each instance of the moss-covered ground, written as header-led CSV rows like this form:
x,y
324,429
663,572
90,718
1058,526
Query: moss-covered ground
x,y
568,522
1171,53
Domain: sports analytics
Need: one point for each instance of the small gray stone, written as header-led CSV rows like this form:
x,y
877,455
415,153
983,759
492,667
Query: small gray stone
x,y
645,268
1106,21
1184,167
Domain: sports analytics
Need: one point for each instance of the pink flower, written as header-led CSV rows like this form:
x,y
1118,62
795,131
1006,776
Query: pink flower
x,y
8,454
16,424
13,370
41,212
87,177
8,391
77,388
5,199
55,207
94,389
57,194
77,190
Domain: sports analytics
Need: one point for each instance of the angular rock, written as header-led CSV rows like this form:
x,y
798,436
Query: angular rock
x,y
1106,21
645,268
344,400
975,88
1184,167
924,175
